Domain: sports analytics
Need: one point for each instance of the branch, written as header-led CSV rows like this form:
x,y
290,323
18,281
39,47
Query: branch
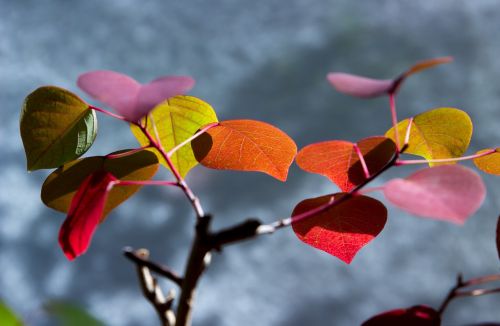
x,y
151,290
142,260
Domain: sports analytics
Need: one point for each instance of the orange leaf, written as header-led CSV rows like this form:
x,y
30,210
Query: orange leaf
x,y
489,163
338,161
246,145
343,229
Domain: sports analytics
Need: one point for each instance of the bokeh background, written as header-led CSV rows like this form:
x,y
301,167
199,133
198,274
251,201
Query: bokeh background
x,y
264,60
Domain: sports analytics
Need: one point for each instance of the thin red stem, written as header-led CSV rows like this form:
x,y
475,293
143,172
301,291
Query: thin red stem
x,y
146,183
202,131
362,160
195,202
127,153
394,116
446,160
111,114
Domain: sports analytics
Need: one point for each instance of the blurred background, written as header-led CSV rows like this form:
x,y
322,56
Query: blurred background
x,y
264,60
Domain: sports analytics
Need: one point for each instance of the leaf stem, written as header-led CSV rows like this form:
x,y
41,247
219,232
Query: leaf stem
x,y
446,160
394,116
111,114
408,130
362,160
200,132
127,153
195,202
146,183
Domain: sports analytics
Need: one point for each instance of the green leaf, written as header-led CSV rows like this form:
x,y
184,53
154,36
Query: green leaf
x,y
436,134
56,127
61,185
7,316
175,120
71,315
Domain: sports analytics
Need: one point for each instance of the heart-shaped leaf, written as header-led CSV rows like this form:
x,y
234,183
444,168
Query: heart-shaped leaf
x,y
489,163
56,127
364,87
246,145
436,134
450,193
60,187
338,160
85,213
343,229
68,314
413,316
8,317
129,98
175,120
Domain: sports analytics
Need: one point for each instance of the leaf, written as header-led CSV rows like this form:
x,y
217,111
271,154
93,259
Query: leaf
x,y
85,213
176,120
71,315
450,193
56,127
413,316
436,134
343,229
129,98
364,87
8,317
61,185
338,160
489,163
359,86
246,145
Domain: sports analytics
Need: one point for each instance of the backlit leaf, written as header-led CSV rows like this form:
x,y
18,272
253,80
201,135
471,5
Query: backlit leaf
x,y
450,193
129,98
246,145
56,127
489,163
436,134
71,315
61,185
343,229
364,87
8,317
85,213
359,86
414,316
338,161
176,120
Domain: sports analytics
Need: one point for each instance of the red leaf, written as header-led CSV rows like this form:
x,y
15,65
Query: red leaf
x,y
343,229
338,161
246,145
84,214
414,316
448,192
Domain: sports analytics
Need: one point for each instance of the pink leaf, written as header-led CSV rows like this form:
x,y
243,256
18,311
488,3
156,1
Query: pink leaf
x,y
129,98
414,316
359,86
84,214
448,192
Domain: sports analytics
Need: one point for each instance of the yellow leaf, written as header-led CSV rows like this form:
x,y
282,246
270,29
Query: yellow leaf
x,y
175,120
436,134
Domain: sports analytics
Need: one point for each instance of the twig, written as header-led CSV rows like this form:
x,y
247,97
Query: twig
x,y
152,291
155,267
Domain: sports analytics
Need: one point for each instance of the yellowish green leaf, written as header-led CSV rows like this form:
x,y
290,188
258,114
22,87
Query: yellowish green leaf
x,y
56,127
489,163
8,317
174,121
436,134
61,185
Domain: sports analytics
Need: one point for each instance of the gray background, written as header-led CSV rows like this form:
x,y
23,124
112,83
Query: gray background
x,y
264,60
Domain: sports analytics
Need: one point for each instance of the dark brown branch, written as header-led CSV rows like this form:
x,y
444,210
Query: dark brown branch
x,y
152,291
155,267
